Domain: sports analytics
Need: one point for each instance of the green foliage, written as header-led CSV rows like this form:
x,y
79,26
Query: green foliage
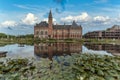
x,y
15,69
99,67
2,35
26,36
74,67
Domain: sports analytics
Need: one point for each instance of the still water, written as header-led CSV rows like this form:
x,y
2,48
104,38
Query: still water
x,y
49,50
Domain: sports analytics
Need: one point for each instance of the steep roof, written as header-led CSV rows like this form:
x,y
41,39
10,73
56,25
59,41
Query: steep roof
x,y
61,26
45,24
42,24
74,24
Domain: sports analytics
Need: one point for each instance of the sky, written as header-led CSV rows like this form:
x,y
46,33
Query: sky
x,y
18,17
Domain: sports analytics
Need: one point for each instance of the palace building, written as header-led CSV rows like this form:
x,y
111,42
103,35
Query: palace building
x,y
45,30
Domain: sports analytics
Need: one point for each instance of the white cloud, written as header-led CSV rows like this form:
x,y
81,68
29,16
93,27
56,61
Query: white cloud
x,y
30,7
117,19
85,18
8,24
101,19
68,18
101,1
21,6
82,18
30,19
46,19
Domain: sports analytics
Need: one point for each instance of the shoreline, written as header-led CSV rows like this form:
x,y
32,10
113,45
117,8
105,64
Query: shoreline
x,y
31,41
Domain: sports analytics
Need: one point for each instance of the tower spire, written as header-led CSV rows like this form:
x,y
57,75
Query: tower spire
x,y
50,14
50,19
50,23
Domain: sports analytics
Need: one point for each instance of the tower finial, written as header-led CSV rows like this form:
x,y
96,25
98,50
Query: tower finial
x,y
50,14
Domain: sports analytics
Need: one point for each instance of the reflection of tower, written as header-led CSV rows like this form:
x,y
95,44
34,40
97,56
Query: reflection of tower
x,y
50,51
50,23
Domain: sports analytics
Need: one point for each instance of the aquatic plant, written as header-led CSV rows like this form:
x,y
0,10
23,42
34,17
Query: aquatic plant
x,y
97,67
15,69
74,67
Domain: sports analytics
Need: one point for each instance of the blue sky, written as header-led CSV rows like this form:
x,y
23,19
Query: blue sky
x,y
19,16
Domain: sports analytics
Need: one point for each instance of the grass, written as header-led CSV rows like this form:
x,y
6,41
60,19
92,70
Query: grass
x,y
14,41
61,40
104,41
31,41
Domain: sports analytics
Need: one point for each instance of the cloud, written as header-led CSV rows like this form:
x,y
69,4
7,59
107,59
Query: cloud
x,y
30,19
46,19
117,19
80,18
100,1
62,3
86,19
8,24
21,6
28,7
10,28
101,19
24,24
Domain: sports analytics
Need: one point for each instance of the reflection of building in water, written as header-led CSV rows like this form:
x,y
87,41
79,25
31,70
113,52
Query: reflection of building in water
x,y
110,48
3,54
21,45
56,49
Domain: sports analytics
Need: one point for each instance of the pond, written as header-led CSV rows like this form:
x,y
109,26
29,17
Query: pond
x,y
50,50
60,61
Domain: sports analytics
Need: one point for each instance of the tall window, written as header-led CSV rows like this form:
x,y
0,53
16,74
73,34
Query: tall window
x,y
46,32
37,32
41,32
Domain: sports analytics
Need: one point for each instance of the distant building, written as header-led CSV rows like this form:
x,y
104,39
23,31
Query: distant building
x,y
45,30
110,33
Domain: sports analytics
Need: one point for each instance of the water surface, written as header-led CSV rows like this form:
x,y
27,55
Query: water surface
x,y
50,50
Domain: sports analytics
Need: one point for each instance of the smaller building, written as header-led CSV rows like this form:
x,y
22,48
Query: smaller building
x,y
94,34
110,33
